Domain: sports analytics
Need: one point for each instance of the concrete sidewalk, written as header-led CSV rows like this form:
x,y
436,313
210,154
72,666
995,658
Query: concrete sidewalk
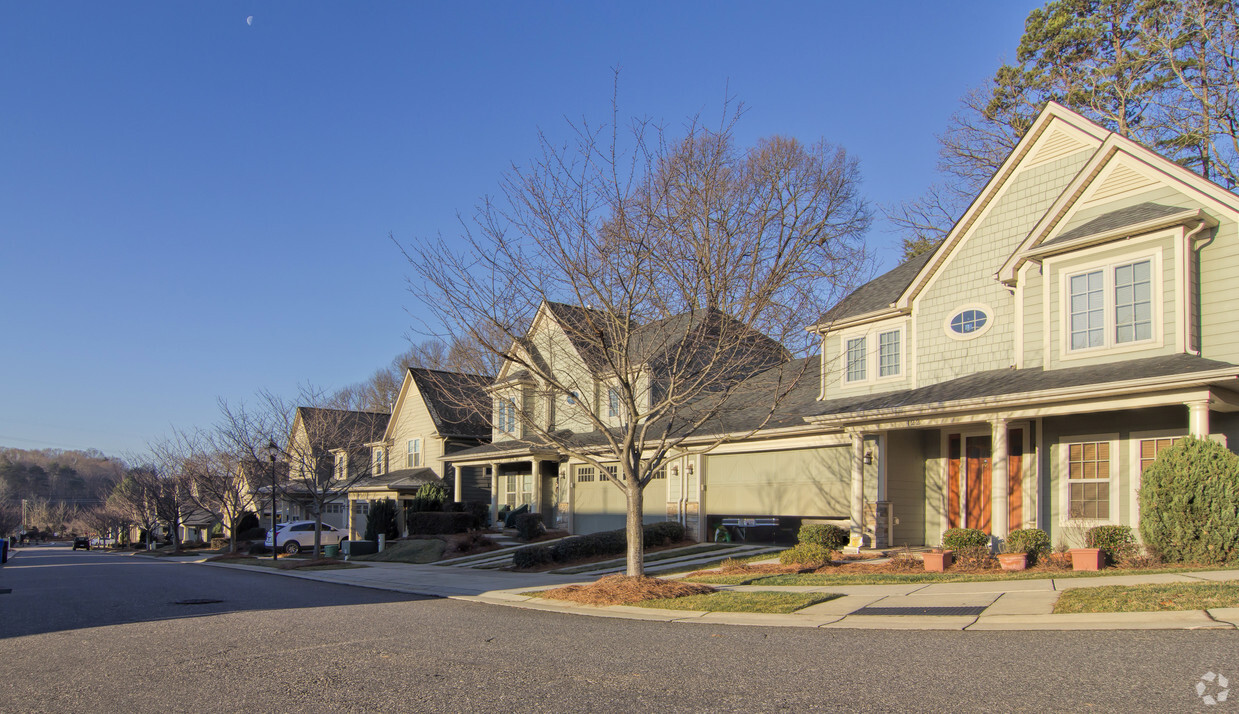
x,y
996,605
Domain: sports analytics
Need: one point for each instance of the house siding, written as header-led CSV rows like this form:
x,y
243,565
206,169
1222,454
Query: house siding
x,y
966,279
809,483
414,422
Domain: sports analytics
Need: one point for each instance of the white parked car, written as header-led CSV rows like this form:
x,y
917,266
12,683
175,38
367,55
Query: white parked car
x,y
298,535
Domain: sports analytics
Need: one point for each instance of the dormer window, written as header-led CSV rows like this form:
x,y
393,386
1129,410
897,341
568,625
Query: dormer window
x,y
1111,306
507,417
863,363
378,462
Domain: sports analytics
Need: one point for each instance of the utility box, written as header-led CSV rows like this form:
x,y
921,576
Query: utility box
x,y
359,547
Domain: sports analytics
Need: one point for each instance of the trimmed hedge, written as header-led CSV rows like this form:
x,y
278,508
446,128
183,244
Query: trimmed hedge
x,y
1117,542
258,533
595,544
381,520
812,554
1189,503
960,538
1033,541
826,535
438,523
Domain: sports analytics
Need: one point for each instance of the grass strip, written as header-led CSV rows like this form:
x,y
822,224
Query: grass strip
x,y
1149,598
730,601
407,551
915,578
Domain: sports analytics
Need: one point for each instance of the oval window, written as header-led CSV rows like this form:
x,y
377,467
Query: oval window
x,y
968,322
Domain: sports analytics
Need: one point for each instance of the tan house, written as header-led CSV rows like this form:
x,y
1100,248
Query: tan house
x,y
1076,320
437,413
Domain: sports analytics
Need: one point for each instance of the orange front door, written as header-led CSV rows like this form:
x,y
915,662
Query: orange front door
x,y
978,482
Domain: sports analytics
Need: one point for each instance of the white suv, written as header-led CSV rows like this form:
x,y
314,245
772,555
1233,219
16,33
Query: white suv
x,y
293,537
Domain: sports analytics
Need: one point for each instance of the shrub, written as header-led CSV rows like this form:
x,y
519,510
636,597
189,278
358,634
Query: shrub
x,y
824,534
529,526
430,497
1117,542
382,520
810,554
975,557
259,533
438,523
531,556
959,538
220,544
661,533
1189,503
1033,541
480,511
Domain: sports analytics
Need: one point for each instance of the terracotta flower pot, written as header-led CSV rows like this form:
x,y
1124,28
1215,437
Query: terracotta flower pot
x,y
938,562
1087,559
1013,561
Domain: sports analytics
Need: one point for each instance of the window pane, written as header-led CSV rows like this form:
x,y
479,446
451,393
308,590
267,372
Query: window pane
x,y
856,359
1133,305
888,354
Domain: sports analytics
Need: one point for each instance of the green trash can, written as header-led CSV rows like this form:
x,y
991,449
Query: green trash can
x,y
331,551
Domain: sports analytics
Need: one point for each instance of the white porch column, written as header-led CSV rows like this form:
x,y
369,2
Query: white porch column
x,y
1198,418
494,494
459,490
535,465
999,508
858,493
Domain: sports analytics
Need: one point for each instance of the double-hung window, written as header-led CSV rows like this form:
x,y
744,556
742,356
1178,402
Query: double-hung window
x,y
1111,306
1091,480
507,416
378,462
888,354
858,358
415,453
613,402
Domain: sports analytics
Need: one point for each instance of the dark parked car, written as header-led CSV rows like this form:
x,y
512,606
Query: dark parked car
x,y
81,542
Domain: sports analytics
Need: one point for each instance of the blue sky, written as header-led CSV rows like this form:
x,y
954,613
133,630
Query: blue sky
x,y
192,207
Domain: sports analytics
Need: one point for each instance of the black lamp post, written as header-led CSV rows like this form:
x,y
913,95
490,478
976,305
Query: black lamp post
x,y
272,450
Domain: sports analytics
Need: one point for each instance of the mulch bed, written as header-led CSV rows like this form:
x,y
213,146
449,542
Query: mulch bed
x,y
623,590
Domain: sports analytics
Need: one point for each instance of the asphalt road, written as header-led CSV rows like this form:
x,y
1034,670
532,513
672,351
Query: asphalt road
x,y
97,632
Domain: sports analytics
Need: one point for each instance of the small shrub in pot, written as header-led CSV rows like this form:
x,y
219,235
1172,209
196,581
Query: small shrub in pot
x,y
1117,542
1033,541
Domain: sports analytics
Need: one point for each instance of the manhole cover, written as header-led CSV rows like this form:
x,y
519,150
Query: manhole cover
x,y
939,611
196,601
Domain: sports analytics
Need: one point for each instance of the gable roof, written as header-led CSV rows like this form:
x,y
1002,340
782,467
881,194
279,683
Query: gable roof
x,y
878,294
576,323
330,427
458,403
1122,218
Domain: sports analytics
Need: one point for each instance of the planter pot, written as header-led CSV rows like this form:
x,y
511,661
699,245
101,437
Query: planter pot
x,y
938,562
1013,561
1087,559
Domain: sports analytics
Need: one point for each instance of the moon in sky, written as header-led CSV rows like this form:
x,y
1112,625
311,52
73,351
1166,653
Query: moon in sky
x,y
249,20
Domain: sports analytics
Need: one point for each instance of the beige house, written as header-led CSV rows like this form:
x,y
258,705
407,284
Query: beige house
x,y
1076,320
436,414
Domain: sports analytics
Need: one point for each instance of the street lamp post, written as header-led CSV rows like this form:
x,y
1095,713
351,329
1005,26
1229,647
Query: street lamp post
x,y
272,450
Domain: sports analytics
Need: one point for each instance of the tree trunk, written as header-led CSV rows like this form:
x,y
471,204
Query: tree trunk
x,y
318,532
634,530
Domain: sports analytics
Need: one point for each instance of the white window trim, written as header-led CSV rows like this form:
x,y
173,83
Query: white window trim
x,y
414,449
872,336
1064,488
1107,267
981,307
1133,451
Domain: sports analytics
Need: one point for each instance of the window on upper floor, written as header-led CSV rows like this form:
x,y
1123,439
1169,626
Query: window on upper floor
x,y
507,416
1111,306
864,364
415,453
573,397
339,466
378,462
613,402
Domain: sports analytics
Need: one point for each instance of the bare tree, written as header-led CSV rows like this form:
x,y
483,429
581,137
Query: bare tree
x,y
135,499
379,393
685,263
218,481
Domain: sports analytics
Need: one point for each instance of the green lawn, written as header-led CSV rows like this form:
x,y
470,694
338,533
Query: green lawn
x,y
408,551
727,601
1149,598
923,577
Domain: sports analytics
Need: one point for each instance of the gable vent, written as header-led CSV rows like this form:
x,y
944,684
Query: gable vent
x,y
1055,146
1122,179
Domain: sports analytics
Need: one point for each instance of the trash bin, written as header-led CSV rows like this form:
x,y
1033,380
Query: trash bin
x,y
331,551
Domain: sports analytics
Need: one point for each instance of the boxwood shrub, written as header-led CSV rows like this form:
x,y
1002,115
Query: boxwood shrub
x,y
961,538
1117,542
811,554
826,535
529,526
1033,541
1189,503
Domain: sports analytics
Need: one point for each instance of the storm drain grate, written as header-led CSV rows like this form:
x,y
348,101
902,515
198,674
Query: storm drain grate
x,y
196,601
938,611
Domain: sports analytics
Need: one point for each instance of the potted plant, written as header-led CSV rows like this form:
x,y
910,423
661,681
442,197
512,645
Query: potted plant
x,y
938,560
1087,558
1023,547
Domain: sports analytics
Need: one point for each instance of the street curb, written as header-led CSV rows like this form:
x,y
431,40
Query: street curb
x,y
1217,619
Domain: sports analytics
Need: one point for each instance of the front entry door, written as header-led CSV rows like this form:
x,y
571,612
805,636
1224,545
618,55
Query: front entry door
x,y
978,483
